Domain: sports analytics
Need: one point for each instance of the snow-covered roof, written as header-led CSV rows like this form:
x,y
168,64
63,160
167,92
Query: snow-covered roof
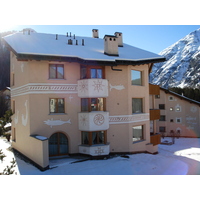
x,y
41,44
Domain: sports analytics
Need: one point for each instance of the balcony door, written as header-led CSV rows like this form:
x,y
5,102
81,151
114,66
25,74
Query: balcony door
x,y
58,145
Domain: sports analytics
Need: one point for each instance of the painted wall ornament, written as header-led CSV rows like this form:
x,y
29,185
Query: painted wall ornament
x,y
98,119
16,118
25,118
52,122
98,85
117,87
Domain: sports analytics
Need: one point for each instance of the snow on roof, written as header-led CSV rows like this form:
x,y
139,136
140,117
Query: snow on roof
x,y
46,45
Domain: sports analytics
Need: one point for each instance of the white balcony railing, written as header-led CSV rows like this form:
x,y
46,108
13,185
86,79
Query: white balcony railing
x,y
93,121
95,150
91,88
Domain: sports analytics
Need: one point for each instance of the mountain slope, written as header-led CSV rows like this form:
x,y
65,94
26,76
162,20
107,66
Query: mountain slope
x,y
182,67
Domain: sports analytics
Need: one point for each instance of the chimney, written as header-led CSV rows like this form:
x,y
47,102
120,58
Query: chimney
x,y
95,33
119,38
111,45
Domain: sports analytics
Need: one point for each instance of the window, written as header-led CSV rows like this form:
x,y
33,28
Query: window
x,y
57,106
96,137
162,106
171,98
171,120
14,134
178,108
13,106
137,133
96,73
178,120
56,71
162,118
162,129
137,105
136,77
157,96
92,72
92,104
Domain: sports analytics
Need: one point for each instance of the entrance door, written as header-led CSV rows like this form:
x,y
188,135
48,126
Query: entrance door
x,y
58,145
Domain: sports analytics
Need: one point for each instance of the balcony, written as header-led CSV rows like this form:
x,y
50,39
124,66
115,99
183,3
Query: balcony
x,y
91,88
95,150
154,114
154,89
155,139
93,121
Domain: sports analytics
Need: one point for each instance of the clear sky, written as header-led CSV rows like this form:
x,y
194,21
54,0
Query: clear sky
x,y
152,38
141,20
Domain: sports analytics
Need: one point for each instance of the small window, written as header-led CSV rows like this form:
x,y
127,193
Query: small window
x,y
171,120
56,71
178,109
157,96
13,106
178,120
137,105
162,129
57,106
14,134
162,106
136,77
138,133
171,98
162,118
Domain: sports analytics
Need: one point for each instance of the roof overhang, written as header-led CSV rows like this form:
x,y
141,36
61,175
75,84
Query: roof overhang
x,y
26,57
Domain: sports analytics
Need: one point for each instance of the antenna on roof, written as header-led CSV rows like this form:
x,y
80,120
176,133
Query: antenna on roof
x,y
70,34
82,42
56,36
76,42
67,34
74,36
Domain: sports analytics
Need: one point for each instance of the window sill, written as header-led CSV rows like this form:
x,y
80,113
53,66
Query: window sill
x,y
61,79
138,141
57,113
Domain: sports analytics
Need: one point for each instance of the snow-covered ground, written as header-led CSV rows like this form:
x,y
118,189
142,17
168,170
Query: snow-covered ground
x,y
181,158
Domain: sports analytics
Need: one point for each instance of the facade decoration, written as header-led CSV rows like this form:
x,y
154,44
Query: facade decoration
x,y
98,119
44,88
98,85
16,118
52,122
25,118
121,119
117,87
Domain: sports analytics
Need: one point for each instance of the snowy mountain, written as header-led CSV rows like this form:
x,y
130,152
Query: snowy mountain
x,y
182,68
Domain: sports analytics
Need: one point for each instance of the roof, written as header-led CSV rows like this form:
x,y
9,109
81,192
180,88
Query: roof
x,y
180,96
41,46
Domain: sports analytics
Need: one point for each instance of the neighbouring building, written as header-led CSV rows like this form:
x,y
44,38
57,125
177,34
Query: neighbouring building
x,y
179,115
83,95
6,93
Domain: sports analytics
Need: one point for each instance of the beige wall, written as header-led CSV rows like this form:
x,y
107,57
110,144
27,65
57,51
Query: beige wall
x,y
31,87
189,115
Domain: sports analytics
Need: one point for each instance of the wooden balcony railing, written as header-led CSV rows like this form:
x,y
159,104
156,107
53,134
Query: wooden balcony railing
x,y
154,89
154,114
155,139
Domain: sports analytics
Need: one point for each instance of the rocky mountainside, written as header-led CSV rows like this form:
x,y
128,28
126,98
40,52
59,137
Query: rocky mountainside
x,y
182,68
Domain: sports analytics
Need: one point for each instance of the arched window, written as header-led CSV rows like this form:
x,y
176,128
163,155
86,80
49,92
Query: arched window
x,y
58,145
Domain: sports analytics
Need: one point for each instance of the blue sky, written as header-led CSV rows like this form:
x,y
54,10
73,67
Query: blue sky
x,y
153,38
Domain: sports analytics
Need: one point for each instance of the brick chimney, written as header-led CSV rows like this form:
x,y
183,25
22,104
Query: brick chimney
x,y
119,38
110,45
95,33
